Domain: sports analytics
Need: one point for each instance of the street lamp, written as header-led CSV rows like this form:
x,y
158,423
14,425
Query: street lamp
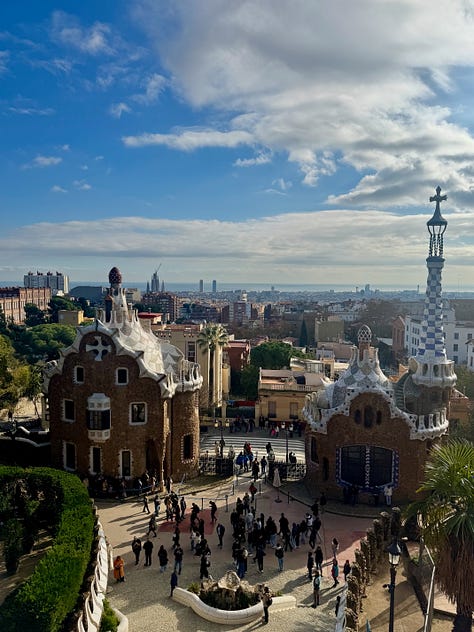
x,y
220,424
394,553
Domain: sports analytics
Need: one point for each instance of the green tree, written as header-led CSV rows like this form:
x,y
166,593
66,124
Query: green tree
x,y
249,381
14,376
89,312
59,302
274,355
43,342
211,338
34,315
447,518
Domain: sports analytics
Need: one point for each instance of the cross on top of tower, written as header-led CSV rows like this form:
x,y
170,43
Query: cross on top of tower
x,y
437,218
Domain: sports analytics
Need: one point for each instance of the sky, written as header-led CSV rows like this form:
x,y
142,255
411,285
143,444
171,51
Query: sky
x,y
269,141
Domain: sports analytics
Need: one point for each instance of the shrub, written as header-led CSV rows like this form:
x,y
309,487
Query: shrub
x,y
42,603
13,545
109,621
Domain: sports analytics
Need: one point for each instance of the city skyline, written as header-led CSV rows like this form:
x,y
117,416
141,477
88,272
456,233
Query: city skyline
x,y
288,147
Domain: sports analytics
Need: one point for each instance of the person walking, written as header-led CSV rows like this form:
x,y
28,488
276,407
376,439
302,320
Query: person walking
x,y
204,567
157,503
213,511
119,572
173,582
318,559
279,554
145,505
162,558
136,548
148,548
310,565
346,569
178,559
152,525
259,555
335,572
182,505
335,547
266,602
316,589
220,530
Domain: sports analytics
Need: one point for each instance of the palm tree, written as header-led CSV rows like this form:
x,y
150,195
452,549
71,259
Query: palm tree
x,y
212,337
447,519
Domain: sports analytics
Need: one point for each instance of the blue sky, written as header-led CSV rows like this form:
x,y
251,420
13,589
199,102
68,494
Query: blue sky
x,y
235,141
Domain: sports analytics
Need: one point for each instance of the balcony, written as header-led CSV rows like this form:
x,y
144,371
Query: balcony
x,y
301,388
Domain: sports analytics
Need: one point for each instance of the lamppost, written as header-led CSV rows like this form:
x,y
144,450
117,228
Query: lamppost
x,y
288,428
220,424
394,553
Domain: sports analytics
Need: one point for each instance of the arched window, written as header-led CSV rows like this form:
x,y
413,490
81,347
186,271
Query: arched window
x,y
368,416
187,447
357,416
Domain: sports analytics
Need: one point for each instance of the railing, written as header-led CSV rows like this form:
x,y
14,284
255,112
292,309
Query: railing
x,y
306,388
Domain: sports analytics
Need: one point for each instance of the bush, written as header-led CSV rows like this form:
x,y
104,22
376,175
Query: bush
x,y
13,545
42,603
109,621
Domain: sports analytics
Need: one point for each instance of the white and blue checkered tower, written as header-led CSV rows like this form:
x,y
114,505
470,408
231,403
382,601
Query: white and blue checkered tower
x,y
430,366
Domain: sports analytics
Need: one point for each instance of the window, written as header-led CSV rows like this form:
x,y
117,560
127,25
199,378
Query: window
x,y
126,467
293,410
69,413
368,467
272,409
187,447
69,456
121,376
455,347
455,358
456,336
191,351
79,375
96,460
469,336
357,416
138,413
98,419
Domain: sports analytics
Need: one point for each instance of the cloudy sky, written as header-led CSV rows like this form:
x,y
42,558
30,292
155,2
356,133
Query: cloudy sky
x,y
270,141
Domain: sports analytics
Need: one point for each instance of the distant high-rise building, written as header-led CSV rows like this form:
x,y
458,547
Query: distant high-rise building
x,y
58,282
214,286
201,285
155,282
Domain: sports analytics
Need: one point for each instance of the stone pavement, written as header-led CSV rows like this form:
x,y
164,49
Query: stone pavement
x,y
143,598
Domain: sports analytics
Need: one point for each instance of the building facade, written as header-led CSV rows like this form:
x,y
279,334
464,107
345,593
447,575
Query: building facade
x,y
120,401
58,282
14,299
366,432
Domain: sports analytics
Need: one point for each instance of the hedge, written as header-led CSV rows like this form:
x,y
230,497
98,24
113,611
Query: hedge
x,y
44,601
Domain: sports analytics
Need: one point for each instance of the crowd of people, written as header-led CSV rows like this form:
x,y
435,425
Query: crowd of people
x,y
254,537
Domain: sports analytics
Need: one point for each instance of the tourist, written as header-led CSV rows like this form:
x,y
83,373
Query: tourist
x,y
220,530
213,511
176,535
338,603
145,505
163,558
259,555
152,525
387,492
193,538
267,602
173,582
157,503
316,589
178,559
318,559
335,572
279,554
263,465
334,546
148,548
119,572
346,569
204,567
310,565
136,548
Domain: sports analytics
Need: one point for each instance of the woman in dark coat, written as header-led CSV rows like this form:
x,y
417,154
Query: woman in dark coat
x,y
163,558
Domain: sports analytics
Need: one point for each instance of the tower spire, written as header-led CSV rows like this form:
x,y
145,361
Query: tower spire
x,y
433,367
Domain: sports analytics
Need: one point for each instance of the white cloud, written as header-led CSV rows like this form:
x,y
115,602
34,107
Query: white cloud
x,y
81,185
370,92
154,85
65,147
84,168
284,243
189,140
99,158
117,109
4,59
32,111
43,161
57,189
93,40
260,159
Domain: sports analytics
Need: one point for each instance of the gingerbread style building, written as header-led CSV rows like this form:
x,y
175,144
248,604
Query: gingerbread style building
x,y
120,401
366,433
